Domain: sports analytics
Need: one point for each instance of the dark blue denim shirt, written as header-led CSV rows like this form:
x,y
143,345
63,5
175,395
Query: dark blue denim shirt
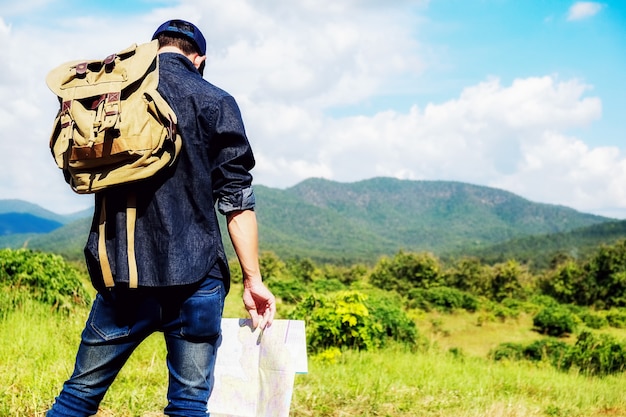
x,y
177,237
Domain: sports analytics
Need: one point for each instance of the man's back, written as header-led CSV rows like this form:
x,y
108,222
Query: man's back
x,y
177,237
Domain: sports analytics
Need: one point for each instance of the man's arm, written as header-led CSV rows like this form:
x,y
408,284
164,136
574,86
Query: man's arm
x,y
258,300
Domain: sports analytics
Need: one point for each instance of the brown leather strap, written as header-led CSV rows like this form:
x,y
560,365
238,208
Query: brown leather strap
x,y
105,266
131,217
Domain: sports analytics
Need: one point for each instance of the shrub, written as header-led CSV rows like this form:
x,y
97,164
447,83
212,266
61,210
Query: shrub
x,y
43,277
592,354
510,351
323,285
543,300
493,311
616,318
607,273
442,298
289,291
564,282
469,275
551,350
593,320
502,312
386,309
598,354
554,321
348,275
349,319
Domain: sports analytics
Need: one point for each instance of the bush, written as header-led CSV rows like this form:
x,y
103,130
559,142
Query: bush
x,y
386,309
597,354
616,318
469,275
592,354
323,285
510,351
551,350
543,300
607,273
593,320
442,298
554,321
289,291
43,277
565,282
349,319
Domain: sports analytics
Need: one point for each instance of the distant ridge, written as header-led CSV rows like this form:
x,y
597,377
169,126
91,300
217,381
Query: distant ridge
x,y
346,222
20,206
14,223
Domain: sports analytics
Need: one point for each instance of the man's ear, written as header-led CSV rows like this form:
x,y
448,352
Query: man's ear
x,y
198,62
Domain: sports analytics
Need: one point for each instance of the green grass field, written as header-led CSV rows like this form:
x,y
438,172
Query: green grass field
x,y
37,350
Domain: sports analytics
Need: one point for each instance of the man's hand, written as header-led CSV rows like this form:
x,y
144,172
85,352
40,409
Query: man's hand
x,y
260,303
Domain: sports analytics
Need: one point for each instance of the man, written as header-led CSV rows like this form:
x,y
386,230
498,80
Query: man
x,y
183,273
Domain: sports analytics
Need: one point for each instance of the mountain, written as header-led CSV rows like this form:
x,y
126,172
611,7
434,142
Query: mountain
x,y
330,221
20,206
383,215
13,223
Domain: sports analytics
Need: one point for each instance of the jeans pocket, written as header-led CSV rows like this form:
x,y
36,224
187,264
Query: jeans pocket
x,y
103,321
201,313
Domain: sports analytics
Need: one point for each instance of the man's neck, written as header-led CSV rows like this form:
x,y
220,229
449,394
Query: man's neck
x,y
170,48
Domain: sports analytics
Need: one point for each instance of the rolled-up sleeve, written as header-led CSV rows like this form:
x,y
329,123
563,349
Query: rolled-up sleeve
x,y
242,200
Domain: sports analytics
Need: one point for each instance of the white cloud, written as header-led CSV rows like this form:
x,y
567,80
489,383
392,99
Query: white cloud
x,y
583,10
510,137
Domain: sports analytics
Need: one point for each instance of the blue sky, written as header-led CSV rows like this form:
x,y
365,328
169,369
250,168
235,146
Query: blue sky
x,y
517,39
526,96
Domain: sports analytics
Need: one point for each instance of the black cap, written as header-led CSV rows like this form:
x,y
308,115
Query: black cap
x,y
187,29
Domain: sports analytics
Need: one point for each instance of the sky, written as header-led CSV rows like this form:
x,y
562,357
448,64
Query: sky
x,y
524,96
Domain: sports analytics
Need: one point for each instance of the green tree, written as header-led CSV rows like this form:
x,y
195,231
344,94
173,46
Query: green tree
x,y
563,283
469,275
510,280
406,271
301,269
608,267
272,268
347,275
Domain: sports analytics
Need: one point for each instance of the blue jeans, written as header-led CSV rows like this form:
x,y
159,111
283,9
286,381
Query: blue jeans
x,y
188,316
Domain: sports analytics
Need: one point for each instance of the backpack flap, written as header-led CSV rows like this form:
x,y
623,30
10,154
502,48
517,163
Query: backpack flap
x,y
114,68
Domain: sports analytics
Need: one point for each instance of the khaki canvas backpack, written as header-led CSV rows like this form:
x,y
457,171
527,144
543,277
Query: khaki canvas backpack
x,y
113,127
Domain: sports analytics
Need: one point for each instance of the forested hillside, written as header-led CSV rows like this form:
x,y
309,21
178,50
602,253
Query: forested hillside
x,y
324,219
354,222
539,251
